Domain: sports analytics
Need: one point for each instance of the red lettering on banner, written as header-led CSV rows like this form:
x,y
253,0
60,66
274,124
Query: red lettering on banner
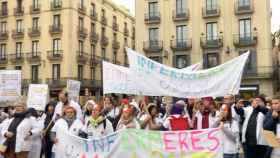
x,y
195,140
183,141
214,139
168,140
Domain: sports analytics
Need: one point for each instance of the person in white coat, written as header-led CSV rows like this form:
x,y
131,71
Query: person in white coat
x,y
63,102
97,125
18,131
254,143
67,123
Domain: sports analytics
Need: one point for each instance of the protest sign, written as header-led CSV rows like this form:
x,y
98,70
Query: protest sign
x,y
133,143
165,81
37,96
10,85
118,79
73,88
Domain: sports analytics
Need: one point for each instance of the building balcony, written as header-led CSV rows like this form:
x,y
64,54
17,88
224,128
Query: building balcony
x,y
3,59
55,55
17,58
56,5
4,13
211,42
259,72
34,32
57,82
211,12
115,44
103,20
181,44
18,11
82,57
18,33
55,30
35,9
152,18
82,33
126,31
93,15
181,15
244,40
104,41
33,57
4,35
115,26
242,8
82,9
153,46
94,37
95,60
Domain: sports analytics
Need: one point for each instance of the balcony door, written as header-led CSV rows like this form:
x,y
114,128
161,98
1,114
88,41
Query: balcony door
x,y
56,47
245,30
211,32
181,35
153,37
211,5
35,48
18,49
153,9
181,7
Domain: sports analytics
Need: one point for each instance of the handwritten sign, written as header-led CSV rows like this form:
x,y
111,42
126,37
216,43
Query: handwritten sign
x,y
37,96
10,85
132,143
73,88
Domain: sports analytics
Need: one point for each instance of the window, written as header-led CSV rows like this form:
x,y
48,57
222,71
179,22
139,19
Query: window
x,y
2,68
181,34
211,31
93,8
56,71
182,61
92,50
81,47
56,46
80,72
212,60
125,25
3,27
17,67
35,23
35,48
103,31
153,37
19,4
125,42
211,5
19,26
92,27
114,19
92,73
35,4
153,9
156,58
114,57
115,36
242,3
251,64
35,73
56,21
81,4
181,6
103,12
56,3
103,53
245,28
4,8
81,23
3,51
18,49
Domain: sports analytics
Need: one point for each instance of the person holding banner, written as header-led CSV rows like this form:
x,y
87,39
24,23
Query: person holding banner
x,y
67,123
64,102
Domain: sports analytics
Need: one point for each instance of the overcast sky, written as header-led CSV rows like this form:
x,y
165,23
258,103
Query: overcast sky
x,y
274,4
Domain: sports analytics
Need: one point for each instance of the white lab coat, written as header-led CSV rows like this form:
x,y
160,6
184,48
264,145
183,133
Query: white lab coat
x,y
60,128
2,138
59,111
37,137
212,119
99,131
23,130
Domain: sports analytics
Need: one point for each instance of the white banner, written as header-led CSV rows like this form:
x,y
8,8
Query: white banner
x,y
118,79
10,85
165,81
132,143
37,96
73,88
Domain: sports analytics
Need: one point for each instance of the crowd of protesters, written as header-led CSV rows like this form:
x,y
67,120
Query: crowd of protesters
x,y
26,132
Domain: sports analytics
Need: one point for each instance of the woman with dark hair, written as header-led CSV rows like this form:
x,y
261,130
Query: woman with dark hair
x,y
230,128
48,124
112,111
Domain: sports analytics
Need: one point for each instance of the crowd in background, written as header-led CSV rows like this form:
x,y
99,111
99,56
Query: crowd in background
x,y
27,133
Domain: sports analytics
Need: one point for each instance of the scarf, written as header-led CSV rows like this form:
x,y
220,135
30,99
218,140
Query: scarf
x,y
69,121
11,142
96,122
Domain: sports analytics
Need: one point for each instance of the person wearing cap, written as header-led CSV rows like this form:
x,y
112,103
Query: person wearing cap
x,y
178,120
63,102
127,119
97,125
112,111
207,116
67,123
18,132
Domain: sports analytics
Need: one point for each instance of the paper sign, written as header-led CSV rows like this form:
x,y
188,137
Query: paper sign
x,y
37,96
271,139
10,85
73,88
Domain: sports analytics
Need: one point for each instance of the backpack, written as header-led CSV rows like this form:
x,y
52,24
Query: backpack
x,y
180,123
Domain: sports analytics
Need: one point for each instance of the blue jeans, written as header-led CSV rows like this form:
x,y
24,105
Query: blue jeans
x,y
231,155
